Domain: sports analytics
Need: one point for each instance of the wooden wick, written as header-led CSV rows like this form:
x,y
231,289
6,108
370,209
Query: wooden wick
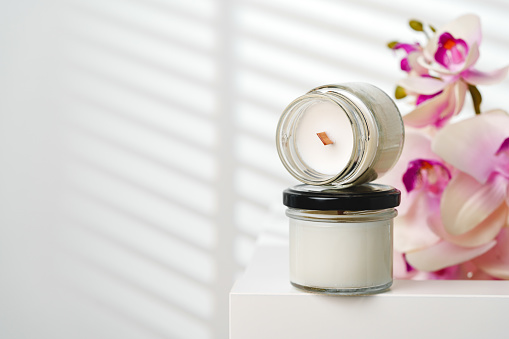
x,y
324,138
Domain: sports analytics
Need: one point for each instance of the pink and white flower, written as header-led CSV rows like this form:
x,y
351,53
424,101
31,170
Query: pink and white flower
x,y
451,53
454,48
450,225
453,221
421,176
448,61
475,204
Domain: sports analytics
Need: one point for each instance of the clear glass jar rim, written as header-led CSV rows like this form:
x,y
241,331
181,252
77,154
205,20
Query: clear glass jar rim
x,y
364,129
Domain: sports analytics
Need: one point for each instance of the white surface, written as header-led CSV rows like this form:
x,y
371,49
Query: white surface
x,y
331,119
263,304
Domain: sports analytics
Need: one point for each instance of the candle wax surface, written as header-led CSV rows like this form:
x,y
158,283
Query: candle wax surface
x,y
325,117
340,255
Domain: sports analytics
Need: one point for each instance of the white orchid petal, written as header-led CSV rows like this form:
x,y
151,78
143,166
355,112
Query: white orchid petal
x,y
460,91
466,27
426,113
470,60
476,77
422,85
399,269
485,232
445,254
411,231
470,145
466,203
472,57
423,62
415,65
496,261
417,146
455,103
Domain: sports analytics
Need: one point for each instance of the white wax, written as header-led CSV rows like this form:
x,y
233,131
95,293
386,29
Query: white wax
x,y
325,117
340,255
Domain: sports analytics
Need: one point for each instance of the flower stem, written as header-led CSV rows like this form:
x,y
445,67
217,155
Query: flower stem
x,y
476,98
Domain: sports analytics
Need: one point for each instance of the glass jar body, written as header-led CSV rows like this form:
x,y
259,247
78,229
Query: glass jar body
x,y
341,252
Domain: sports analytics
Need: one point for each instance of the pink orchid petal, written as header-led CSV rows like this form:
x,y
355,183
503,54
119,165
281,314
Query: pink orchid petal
x,y
460,91
408,48
504,148
437,68
404,65
472,57
451,52
455,105
480,235
445,254
496,261
466,27
502,159
426,174
480,137
400,268
470,271
470,60
426,113
424,97
458,54
423,62
415,65
417,145
411,231
438,110
422,85
466,203
448,273
442,58
476,77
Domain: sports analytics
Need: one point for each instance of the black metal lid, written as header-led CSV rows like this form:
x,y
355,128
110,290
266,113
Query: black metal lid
x,y
356,198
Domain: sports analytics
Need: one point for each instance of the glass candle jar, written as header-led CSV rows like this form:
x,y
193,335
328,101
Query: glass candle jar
x,y
341,240
342,135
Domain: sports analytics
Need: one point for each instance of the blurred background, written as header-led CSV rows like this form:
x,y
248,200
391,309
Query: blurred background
x,y
137,154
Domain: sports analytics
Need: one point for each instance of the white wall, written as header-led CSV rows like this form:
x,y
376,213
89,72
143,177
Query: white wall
x,y
137,153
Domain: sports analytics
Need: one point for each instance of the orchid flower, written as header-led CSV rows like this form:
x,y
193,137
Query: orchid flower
x,y
475,204
422,248
451,53
455,50
453,220
446,72
421,176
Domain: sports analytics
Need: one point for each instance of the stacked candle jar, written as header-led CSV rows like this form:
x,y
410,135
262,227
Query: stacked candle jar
x,y
336,139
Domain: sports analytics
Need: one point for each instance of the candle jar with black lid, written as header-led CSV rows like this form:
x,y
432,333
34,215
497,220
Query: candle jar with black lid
x,y
341,240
